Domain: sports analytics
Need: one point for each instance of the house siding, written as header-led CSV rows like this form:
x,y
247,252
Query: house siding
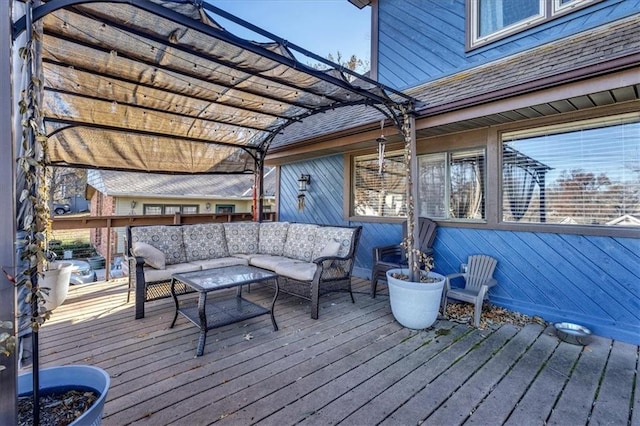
x,y
590,280
407,57
558,277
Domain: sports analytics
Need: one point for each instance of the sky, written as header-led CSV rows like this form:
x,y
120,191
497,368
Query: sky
x,y
321,26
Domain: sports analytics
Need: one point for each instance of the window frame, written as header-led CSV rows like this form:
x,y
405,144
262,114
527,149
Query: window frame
x,y
448,155
549,10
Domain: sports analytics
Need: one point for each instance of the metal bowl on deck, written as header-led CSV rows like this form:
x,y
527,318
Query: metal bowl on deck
x,y
573,333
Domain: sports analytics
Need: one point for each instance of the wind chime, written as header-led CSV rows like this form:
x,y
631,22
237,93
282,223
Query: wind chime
x,y
382,141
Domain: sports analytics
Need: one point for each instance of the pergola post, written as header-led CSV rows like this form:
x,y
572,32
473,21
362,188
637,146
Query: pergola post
x,y
8,377
259,189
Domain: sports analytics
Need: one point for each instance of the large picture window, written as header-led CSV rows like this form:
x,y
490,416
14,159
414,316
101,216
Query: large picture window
x,y
585,173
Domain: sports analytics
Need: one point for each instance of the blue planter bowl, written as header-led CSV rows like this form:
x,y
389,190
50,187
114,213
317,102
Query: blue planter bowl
x,y
69,376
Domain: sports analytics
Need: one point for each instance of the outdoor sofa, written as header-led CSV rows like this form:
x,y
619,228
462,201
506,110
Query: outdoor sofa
x,y
309,259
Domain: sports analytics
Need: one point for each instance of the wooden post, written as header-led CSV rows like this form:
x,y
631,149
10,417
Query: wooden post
x,y
414,186
8,377
107,261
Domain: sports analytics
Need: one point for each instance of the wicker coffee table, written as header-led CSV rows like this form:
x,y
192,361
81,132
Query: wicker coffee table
x,y
221,311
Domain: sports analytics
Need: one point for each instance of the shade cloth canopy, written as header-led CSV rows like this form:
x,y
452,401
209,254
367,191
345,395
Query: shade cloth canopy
x,y
154,85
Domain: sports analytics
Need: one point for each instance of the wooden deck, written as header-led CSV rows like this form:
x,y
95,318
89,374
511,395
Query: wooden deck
x,y
355,366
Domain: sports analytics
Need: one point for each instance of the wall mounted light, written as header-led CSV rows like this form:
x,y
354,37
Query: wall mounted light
x,y
134,203
303,182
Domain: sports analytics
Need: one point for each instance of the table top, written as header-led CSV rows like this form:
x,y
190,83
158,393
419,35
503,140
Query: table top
x,y
228,276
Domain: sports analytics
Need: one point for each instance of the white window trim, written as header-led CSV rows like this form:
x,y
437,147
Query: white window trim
x,y
476,41
559,8
549,9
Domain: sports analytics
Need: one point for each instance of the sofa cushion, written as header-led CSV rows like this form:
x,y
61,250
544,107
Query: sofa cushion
x,y
167,239
267,261
245,257
272,237
325,234
204,241
300,241
152,256
330,249
242,237
301,271
220,262
151,275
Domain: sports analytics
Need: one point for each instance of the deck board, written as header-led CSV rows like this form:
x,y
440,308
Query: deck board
x,y
353,366
491,384
616,379
536,405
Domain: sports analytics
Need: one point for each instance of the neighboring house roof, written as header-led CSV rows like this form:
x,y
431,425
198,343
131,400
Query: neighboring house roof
x,y
584,55
119,184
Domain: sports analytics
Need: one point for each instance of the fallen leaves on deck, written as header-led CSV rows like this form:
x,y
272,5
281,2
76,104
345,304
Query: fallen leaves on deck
x,y
492,316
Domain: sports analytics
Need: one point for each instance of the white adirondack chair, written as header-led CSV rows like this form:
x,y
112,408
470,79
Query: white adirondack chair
x,y
478,279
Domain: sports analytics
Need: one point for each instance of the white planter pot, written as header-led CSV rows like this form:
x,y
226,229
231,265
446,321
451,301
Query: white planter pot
x,y
56,279
72,376
415,305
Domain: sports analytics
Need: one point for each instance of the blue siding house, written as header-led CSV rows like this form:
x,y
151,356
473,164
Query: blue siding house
x,y
528,130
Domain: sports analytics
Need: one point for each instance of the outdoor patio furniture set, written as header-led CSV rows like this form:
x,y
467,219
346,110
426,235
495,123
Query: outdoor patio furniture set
x,y
308,259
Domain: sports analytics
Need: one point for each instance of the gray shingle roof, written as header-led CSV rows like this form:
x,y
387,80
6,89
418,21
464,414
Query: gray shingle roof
x,y
599,46
115,183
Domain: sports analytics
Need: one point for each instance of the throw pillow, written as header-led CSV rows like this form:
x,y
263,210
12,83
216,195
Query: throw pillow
x,y
331,249
152,256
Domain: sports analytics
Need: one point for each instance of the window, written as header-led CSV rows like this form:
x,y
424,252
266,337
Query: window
x,y
225,208
151,209
170,209
496,15
379,194
490,20
190,209
450,185
585,173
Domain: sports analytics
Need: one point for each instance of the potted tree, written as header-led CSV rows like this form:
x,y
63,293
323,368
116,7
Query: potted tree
x,y
415,292
33,224
415,304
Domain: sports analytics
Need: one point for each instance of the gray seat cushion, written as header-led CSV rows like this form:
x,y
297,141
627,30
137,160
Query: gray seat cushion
x,y
220,262
151,274
301,271
266,261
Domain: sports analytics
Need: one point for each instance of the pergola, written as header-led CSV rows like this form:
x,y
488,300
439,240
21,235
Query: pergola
x,y
158,86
